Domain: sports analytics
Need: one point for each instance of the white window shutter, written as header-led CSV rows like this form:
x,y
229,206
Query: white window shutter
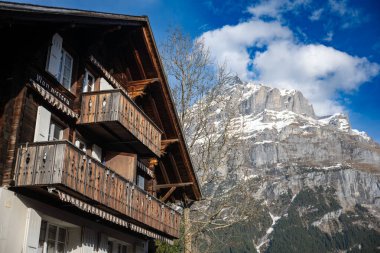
x,y
41,132
89,240
104,85
32,231
97,152
55,55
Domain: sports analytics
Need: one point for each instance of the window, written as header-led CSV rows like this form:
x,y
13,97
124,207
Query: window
x,y
117,247
48,126
88,82
52,238
65,70
60,62
55,132
140,181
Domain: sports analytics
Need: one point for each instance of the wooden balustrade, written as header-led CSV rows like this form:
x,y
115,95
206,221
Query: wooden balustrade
x,y
61,164
115,105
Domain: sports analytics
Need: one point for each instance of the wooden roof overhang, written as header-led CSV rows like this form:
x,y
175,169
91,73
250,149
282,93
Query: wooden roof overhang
x,y
177,163
180,158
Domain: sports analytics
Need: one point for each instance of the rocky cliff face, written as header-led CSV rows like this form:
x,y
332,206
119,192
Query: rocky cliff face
x,y
314,181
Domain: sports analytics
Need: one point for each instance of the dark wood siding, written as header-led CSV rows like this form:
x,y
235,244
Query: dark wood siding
x,y
28,118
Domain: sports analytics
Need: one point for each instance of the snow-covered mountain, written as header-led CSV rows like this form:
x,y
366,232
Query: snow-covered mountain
x,y
314,182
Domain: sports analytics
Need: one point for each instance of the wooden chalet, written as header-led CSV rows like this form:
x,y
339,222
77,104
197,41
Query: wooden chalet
x,y
92,156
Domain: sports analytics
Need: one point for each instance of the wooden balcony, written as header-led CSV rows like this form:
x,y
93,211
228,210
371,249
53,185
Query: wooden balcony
x,y
113,116
61,165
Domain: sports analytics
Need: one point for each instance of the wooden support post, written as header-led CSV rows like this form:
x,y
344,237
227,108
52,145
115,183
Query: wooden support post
x,y
168,194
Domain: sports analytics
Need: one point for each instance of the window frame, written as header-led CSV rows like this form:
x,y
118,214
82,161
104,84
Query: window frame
x,y
56,242
91,88
61,74
53,124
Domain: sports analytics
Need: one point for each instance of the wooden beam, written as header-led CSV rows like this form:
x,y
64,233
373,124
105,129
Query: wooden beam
x,y
157,115
136,54
163,172
160,186
168,194
143,82
166,143
175,167
165,176
137,88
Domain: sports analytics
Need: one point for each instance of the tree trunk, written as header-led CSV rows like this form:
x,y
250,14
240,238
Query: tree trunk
x,y
187,225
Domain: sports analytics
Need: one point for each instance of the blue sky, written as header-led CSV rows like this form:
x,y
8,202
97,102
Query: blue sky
x,y
328,49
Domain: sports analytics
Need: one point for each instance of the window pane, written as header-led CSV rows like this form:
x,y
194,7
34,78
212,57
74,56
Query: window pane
x,y
56,131
140,181
67,67
52,232
51,246
110,244
90,83
60,247
60,66
61,235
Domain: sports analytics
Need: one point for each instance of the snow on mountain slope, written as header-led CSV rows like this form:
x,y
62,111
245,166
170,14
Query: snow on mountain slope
x,y
280,127
319,177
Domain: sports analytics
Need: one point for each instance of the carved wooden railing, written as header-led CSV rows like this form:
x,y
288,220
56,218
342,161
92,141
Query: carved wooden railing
x,y
61,164
115,105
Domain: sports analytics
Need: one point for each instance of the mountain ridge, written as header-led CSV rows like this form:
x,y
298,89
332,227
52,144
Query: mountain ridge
x,y
314,173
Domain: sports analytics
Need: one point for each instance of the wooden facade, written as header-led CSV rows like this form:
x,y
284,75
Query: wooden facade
x,y
97,121
60,164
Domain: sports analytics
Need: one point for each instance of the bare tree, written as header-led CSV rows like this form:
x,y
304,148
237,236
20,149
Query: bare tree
x,y
207,113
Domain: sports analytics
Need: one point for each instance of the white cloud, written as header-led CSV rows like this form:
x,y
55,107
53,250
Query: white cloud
x,y
329,36
349,16
229,43
318,71
268,9
274,8
316,15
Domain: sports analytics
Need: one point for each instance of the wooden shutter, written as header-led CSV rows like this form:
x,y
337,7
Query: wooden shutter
x,y
97,152
89,240
122,163
74,240
103,243
104,85
32,231
55,56
41,131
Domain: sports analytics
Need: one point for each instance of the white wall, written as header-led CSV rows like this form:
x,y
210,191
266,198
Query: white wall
x,y
12,222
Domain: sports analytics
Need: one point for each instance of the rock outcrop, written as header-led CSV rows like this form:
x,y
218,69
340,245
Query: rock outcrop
x,y
317,175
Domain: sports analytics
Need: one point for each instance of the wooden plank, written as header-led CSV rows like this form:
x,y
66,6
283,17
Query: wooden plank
x,y
14,121
59,154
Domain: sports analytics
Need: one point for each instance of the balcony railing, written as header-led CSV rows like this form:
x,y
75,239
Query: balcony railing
x,y
63,165
114,105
